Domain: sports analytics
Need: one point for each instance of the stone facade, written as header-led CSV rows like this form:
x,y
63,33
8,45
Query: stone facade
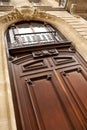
x,y
23,10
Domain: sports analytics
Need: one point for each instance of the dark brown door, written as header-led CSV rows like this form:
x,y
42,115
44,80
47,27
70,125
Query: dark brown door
x,y
49,86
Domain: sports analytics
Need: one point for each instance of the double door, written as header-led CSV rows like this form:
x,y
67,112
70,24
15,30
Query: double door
x,y
49,89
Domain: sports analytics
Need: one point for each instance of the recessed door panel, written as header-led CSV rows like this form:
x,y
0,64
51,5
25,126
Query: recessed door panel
x,y
76,80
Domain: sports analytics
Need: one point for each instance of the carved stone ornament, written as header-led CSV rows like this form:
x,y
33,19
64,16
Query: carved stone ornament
x,y
33,13
24,13
13,15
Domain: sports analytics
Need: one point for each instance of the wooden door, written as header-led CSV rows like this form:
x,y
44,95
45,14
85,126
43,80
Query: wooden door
x,y
49,87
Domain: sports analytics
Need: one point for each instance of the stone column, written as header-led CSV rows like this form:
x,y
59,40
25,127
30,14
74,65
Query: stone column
x,y
19,3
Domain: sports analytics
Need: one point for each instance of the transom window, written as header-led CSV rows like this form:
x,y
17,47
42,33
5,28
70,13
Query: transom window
x,y
33,34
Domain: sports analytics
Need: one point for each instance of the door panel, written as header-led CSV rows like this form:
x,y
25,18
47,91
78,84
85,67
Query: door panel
x,y
64,60
35,65
28,65
76,81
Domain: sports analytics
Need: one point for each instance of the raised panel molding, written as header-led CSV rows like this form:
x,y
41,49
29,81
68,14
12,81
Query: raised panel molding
x,y
35,65
65,60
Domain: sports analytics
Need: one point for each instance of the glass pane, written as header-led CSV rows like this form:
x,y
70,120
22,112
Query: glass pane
x,y
58,38
49,37
24,30
18,39
40,29
30,39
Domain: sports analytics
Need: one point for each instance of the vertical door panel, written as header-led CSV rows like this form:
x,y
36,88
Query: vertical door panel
x,y
76,80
